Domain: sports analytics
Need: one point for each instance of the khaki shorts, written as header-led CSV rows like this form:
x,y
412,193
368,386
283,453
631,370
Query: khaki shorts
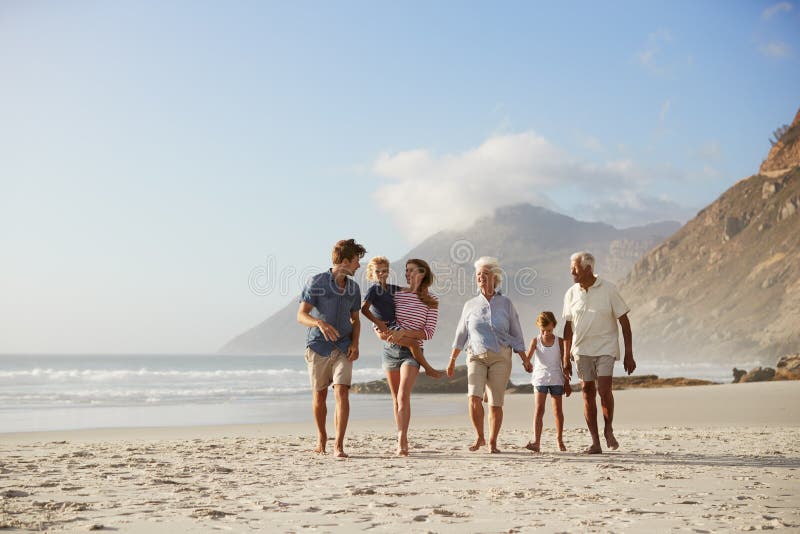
x,y
489,372
323,371
590,367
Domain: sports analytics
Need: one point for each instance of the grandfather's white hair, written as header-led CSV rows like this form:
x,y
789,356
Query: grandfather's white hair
x,y
494,267
583,258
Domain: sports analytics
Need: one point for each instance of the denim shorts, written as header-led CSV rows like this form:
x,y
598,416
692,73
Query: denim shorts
x,y
396,356
553,390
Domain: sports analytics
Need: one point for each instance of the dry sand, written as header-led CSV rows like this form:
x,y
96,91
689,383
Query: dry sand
x,y
700,459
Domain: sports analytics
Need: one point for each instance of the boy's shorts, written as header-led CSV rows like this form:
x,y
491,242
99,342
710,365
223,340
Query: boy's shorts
x,y
323,371
590,367
556,391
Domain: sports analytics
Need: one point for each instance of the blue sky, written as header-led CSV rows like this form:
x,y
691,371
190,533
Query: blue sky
x,y
153,155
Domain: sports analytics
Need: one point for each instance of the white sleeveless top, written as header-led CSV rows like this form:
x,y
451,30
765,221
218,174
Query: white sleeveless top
x,y
547,364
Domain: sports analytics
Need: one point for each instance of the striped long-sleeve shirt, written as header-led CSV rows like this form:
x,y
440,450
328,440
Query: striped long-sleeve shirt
x,y
412,314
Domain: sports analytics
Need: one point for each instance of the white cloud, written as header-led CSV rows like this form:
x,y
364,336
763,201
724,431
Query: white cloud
x,y
774,10
425,193
775,49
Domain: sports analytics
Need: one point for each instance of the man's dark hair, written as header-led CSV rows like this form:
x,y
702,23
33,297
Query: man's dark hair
x,y
347,249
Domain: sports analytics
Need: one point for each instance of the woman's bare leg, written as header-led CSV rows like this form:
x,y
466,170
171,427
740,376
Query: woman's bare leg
x,y
393,378
495,422
408,375
476,415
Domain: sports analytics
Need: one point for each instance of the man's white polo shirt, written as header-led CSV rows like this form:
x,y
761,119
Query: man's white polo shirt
x,y
594,314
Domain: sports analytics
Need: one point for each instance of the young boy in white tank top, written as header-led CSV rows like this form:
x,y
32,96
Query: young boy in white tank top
x,y
547,377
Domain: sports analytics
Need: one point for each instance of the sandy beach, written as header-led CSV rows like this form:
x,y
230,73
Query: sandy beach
x,y
698,459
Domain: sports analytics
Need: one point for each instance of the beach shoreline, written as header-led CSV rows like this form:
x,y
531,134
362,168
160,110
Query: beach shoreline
x,y
702,458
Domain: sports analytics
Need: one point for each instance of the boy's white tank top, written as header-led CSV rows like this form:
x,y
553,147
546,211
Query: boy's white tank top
x,y
547,365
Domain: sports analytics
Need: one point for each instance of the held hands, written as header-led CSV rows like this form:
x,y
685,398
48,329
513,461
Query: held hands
x,y
381,326
567,368
526,362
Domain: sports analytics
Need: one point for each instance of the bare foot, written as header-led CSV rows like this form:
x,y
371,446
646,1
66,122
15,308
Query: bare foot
x,y
433,373
592,449
402,444
339,453
493,448
611,441
561,446
320,448
531,446
480,442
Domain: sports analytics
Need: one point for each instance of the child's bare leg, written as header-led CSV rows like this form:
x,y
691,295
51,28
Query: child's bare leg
x,y
539,402
416,352
558,413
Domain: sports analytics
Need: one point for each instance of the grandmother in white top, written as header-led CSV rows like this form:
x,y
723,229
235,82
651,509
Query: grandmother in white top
x,y
489,329
592,308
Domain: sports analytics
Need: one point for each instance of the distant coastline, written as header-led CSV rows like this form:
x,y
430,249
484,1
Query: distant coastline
x,y
458,384
787,368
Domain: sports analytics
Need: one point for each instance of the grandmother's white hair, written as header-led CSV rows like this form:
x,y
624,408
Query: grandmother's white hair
x,y
583,258
494,267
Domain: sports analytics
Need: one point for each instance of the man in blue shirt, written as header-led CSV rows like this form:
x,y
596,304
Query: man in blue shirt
x,y
329,307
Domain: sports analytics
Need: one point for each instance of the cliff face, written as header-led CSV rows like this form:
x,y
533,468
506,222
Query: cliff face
x,y
726,287
785,154
533,245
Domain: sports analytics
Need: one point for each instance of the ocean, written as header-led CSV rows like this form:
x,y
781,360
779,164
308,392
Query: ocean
x,y
65,392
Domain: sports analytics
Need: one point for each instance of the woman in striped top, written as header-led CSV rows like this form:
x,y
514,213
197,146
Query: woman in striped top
x,y
417,312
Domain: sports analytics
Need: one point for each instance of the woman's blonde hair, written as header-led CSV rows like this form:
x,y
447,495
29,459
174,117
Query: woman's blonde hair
x,y
373,264
546,318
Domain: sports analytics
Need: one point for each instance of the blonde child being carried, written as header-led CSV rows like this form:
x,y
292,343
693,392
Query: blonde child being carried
x,y
379,307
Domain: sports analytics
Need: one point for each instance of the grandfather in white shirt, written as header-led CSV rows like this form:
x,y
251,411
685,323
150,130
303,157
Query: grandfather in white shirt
x,y
592,308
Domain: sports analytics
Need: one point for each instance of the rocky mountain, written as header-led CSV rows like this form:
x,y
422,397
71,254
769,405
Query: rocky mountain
x,y
726,287
533,245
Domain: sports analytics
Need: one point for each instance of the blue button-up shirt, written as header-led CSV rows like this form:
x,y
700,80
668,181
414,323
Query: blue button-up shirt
x,y
489,325
333,305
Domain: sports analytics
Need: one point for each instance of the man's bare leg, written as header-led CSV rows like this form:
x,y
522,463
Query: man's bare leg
x,y
320,410
495,422
590,414
607,405
476,415
408,375
341,394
